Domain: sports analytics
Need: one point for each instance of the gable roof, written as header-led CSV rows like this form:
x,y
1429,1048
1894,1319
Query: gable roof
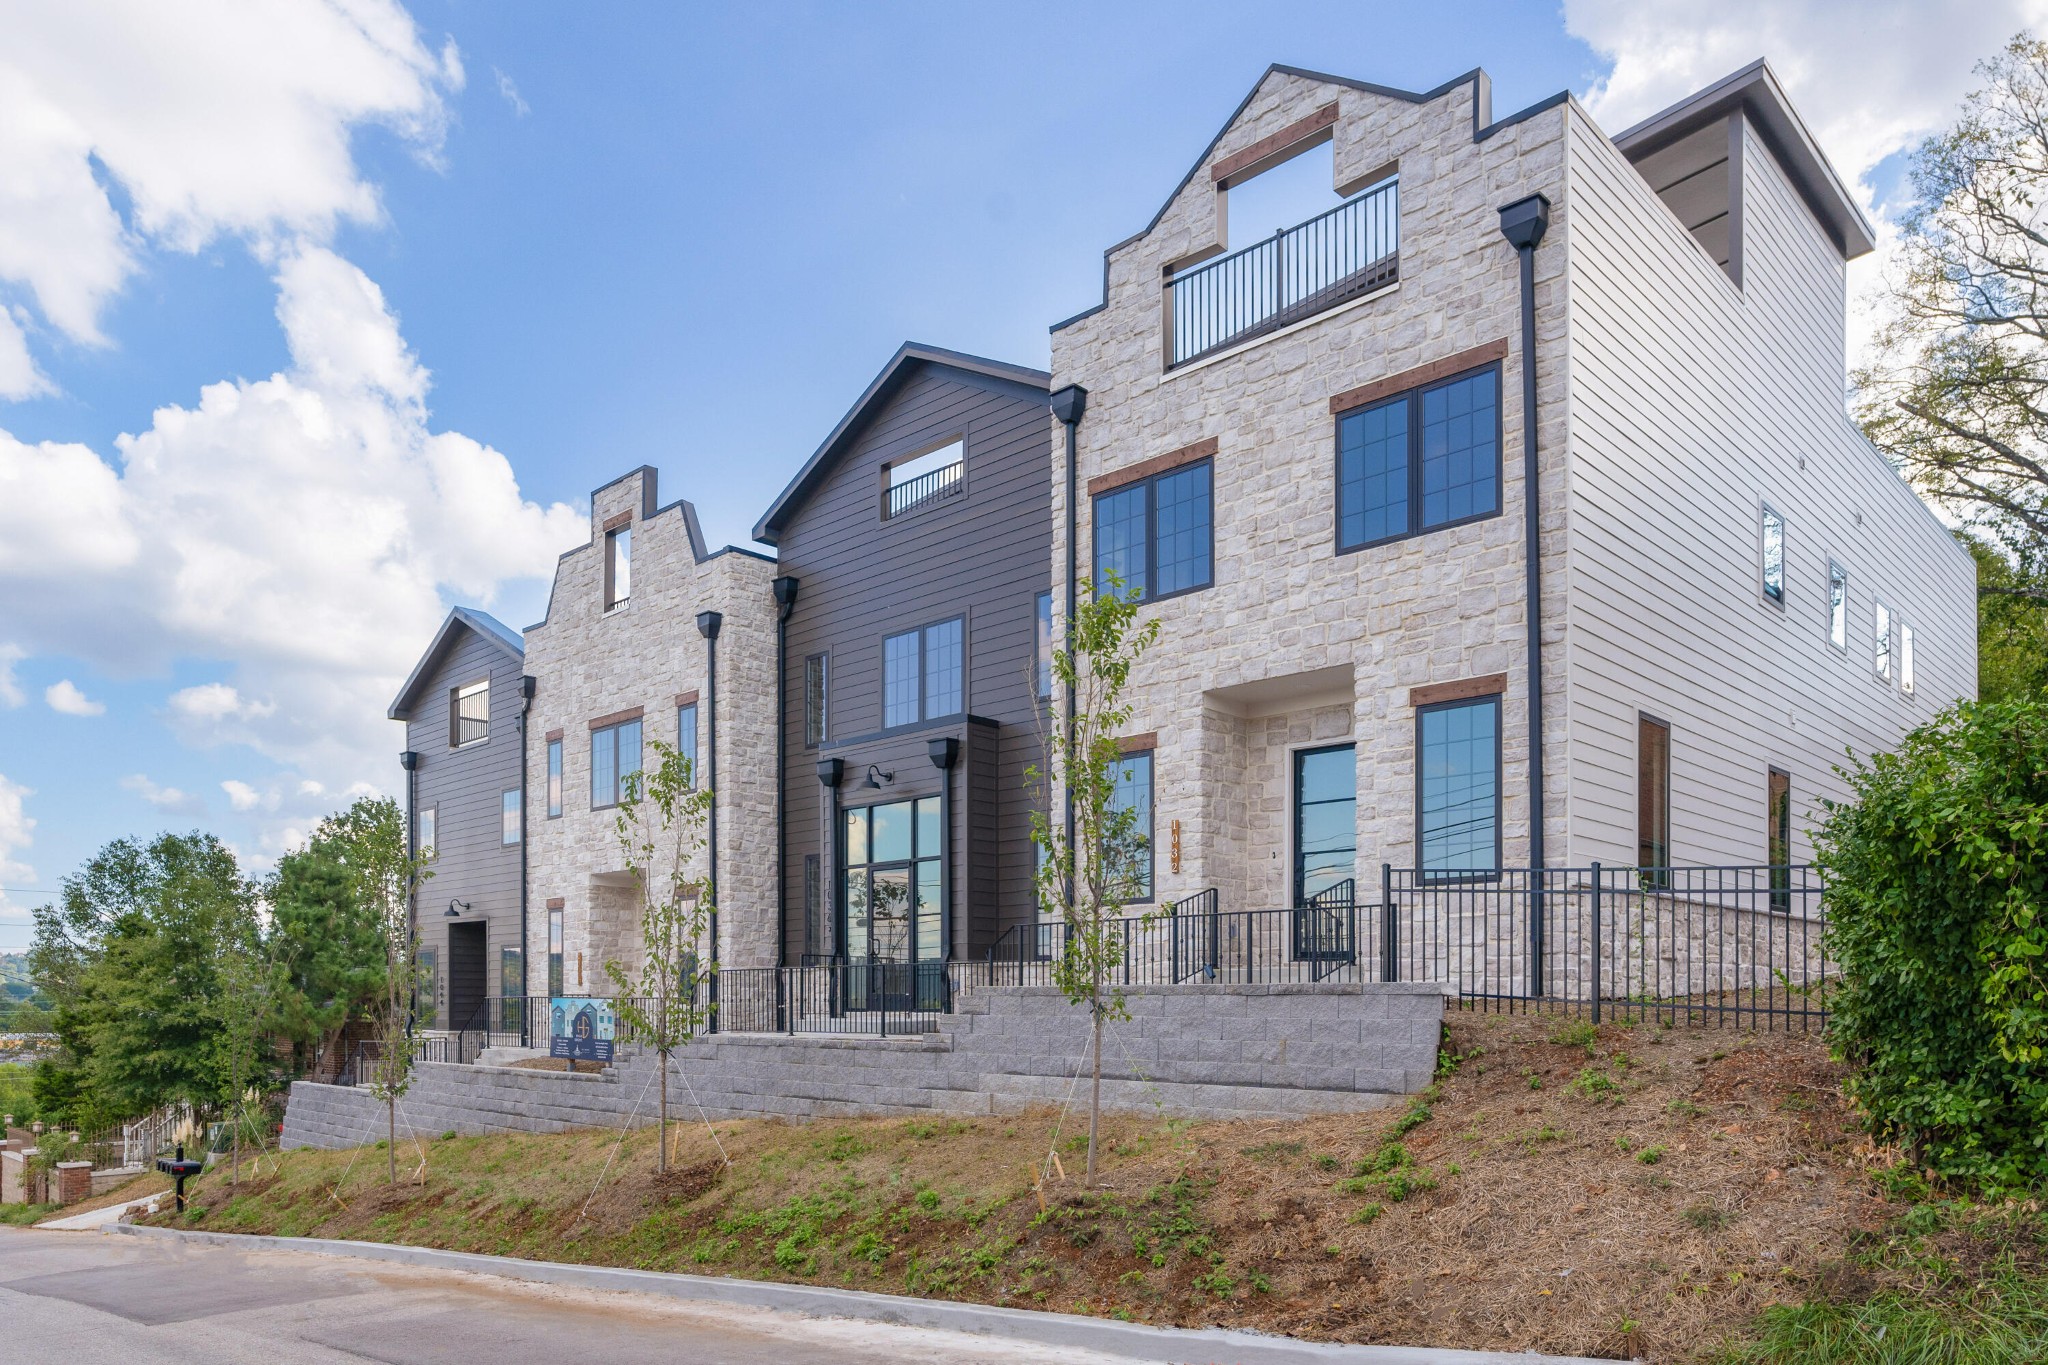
x,y
1755,90
480,624
909,359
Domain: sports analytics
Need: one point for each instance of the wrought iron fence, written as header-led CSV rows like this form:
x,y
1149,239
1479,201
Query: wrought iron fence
x,y
929,486
887,999
1297,272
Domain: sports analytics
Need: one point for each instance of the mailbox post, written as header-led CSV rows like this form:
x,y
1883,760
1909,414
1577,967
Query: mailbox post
x,y
177,1167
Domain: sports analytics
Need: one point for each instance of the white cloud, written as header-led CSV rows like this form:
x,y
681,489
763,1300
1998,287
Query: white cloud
x,y
16,833
65,699
167,799
210,116
242,796
511,95
10,686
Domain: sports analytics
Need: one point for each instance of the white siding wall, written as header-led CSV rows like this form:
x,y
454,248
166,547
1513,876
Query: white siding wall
x,y
1692,403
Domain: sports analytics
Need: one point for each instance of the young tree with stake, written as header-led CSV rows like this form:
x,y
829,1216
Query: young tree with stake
x,y
660,828
369,838
1087,876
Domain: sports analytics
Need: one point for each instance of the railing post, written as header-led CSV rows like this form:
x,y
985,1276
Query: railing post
x,y
1390,958
1596,942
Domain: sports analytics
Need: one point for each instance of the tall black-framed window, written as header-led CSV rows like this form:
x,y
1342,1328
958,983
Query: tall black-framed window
x,y
686,736
1133,791
815,710
1778,837
614,757
1420,461
510,823
427,993
554,779
1157,536
1653,798
924,673
1041,669
1457,787
511,986
555,951
1325,819
814,892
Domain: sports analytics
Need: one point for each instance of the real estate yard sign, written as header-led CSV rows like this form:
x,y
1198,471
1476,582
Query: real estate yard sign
x,y
580,1029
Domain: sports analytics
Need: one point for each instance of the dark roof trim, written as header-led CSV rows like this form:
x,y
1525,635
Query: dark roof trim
x,y
1482,128
1755,90
481,624
908,359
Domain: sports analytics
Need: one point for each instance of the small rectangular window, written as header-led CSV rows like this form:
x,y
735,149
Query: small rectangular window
x,y
427,838
614,757
1773,557
618,567
508,816
1457,775
686,737
554,778
923,673
925,478
1838,606
1041,673
900,672
942,668
427,990
1420,460
1155,538
1881,638
555,952
815,699
511,987
1133,791
1653,796
469,714
1905,659
814,929
1778,838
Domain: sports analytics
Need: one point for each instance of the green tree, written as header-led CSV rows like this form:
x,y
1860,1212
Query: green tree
x,y
659,828
242,1019
1087,882
2012,630
326,949
1957,390
1937,879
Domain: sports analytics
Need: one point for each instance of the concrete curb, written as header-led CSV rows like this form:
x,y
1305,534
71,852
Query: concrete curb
x,y
1134,1341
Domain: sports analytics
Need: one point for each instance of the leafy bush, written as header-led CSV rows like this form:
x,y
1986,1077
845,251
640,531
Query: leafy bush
x,y
1937,878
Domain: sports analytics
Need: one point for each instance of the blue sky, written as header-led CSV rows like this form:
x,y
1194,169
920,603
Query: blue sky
x,y
611,235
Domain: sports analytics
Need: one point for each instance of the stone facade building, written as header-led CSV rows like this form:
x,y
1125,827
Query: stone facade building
x,y
625,657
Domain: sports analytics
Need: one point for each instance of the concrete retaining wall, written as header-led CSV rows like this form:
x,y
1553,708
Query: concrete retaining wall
x,y
1228,1051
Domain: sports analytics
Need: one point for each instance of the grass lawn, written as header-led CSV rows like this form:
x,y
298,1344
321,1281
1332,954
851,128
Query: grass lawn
x,y
1684,1195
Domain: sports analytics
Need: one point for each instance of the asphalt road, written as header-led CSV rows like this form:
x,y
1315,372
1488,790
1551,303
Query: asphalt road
x,y
88,1298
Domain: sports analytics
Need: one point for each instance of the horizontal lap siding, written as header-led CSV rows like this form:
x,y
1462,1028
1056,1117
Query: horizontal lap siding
x,y
983,554
1691,402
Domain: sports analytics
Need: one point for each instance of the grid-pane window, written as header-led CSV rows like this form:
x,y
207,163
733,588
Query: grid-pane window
x,y
943,655
509,804
1041,672
686,737
1653,793
1122,540
555,951
1419,460
554,778
1372,474
900,678
1838,606
1132,855
1460,452
469,714
614,757
1458,776
814,700
1881,638
618,566
1773,557
1181,502
1905,658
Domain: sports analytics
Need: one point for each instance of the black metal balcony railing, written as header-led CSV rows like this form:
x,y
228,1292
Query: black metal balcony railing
x,y
929,486
1296,273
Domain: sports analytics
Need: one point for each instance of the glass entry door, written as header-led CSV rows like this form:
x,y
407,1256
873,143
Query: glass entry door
x,y
894,937
1325,853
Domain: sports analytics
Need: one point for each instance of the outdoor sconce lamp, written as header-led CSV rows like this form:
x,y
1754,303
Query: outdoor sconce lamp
x,y
877,779
452,912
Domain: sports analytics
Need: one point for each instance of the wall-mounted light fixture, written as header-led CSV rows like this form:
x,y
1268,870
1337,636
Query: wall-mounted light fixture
x,y
452,912
877,779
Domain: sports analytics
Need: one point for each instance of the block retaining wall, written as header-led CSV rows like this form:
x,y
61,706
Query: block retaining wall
x,y
1227,1051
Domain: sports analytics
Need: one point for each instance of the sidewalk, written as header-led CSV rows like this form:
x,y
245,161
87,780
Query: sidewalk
x,y
99,1218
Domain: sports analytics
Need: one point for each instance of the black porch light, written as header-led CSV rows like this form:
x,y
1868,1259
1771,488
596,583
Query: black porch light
x,y
452,913
877,779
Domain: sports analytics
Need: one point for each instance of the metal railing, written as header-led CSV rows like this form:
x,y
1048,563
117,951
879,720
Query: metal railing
x,y
1296,273
929,486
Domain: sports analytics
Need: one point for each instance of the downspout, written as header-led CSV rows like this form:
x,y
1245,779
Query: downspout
x,y
785,603
1523,223
410,761
708,624
527,685
1068,405
944,753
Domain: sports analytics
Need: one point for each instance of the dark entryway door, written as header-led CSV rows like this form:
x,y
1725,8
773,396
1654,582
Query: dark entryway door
x,y
468,984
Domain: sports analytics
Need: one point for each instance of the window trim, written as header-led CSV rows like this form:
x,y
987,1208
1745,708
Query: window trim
x,y
517,810
1836,569
1766,514
555,778
1496,700
1150,483
924,717
1041,654
695,733
823,659
1151,757
1881,649
455,740
1413,396
1644,720
1295,754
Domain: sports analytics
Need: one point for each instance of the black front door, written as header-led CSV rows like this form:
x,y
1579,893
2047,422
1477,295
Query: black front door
x,y
467,983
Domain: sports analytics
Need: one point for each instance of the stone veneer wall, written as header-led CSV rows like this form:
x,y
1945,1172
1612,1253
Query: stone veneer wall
x,y
1285,608
591,663
1199,1051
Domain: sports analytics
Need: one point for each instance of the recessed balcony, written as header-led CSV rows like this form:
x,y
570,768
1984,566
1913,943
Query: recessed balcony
x,y
1296,273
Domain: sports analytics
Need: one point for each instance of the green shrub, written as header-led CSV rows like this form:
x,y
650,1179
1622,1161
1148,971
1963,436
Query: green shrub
x,y
1937,879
